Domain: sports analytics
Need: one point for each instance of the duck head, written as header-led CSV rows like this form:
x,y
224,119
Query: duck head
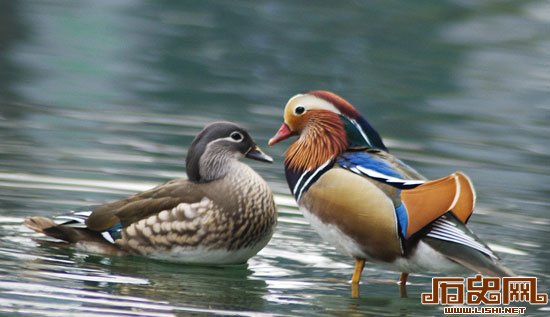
x,y
327,125
216,148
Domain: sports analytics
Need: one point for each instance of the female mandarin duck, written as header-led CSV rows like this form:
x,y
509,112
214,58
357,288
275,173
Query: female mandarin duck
x,y
223,213
369,204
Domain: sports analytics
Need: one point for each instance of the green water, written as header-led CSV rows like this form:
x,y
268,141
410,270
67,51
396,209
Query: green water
x,y
99,99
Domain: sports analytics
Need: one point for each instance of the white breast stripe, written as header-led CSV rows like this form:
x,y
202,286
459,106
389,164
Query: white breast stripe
x,y
306,184
297,186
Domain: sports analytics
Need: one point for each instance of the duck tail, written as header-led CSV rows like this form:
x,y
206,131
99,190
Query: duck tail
x,y
84,238
63,231
454,240
48,227
492,268
39,224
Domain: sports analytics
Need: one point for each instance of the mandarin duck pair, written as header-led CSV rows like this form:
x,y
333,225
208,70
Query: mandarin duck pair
x,y
361,199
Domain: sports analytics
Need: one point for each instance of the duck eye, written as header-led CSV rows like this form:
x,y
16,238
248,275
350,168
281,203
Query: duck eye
x,y
236,136
299,110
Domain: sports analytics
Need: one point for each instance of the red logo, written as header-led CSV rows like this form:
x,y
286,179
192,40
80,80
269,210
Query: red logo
x,y
479,290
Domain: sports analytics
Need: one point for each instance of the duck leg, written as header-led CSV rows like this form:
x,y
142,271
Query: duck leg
x,y
403,284
359,265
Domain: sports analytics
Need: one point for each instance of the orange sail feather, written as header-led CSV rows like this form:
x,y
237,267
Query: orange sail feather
x,y
431,200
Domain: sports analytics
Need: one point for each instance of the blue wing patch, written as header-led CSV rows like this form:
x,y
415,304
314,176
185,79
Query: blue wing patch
x,y
402,219
368,161
366,164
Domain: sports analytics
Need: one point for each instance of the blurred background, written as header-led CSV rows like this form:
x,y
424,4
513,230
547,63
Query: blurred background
x,y
99,99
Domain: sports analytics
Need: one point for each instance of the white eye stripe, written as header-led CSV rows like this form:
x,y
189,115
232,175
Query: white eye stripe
x,y
230,138
236,136
227,139
310,102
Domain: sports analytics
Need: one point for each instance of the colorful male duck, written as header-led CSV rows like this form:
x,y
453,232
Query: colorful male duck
x,y
369,204
223,213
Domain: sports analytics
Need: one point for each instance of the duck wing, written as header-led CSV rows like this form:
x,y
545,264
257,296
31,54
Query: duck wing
x,y
418,202
144,204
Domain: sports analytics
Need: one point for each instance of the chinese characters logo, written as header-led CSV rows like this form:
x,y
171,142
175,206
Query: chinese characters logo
x,y
484,290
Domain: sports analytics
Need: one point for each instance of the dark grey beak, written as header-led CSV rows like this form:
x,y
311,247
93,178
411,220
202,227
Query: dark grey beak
x,y
256,154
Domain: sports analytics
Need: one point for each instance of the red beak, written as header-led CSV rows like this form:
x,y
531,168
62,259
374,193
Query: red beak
x,y
283,133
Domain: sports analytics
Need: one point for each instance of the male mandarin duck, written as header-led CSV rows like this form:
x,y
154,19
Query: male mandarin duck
x,y
224,213
369,204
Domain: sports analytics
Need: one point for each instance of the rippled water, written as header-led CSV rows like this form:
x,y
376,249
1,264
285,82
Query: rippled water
x,y
100,99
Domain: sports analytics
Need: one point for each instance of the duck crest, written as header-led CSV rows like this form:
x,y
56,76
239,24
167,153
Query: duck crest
x,y
358,138
359,132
